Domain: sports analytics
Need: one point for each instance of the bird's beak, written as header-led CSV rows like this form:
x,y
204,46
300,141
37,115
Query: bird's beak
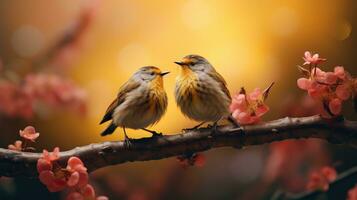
x,y
164,73
180,63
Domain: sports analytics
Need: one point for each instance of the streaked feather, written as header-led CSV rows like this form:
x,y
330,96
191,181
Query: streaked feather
x,y
122,94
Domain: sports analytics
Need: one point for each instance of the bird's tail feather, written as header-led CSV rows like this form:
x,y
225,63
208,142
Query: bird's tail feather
x,y
109,130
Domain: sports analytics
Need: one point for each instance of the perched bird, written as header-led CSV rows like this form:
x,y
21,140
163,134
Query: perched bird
x,y
141,102
201,92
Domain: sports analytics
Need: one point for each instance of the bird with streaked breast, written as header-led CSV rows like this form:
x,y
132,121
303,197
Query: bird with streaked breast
x,y
201,92
141,102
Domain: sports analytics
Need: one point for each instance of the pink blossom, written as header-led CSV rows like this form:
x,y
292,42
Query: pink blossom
x,y
304,83
57,178
335,106
340,72
329,173
51,156
321,179
327,88
248,109
17,146
352,193
29,133
14,102
79,174
343,92
312,59
85,193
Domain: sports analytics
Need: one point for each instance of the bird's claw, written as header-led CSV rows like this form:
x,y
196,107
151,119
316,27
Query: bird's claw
x,y
156,134
185,130
214,128
127,143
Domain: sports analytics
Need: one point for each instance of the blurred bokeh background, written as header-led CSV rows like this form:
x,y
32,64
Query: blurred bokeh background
x,y
97,45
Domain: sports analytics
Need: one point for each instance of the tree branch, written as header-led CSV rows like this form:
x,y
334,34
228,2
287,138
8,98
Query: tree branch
x,y
95,156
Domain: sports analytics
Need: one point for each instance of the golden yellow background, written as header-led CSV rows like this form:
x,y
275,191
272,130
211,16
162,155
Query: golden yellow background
x,y
251,43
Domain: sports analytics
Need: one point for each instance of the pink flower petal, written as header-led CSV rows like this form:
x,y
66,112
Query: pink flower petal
x,y
244,118
88,191
329,173
73,179
46,177
75,196
304,83
102,198
238,102
43,165
29,133
256,94
261,110
340,72
83,179
17,146
335,106
307,54
330,78
76,164
343,92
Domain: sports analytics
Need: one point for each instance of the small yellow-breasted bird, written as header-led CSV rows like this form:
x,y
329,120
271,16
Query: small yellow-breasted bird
x,y
201,92
141,102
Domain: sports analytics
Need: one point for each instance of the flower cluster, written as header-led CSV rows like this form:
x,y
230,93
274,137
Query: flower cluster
x,y
14,102
57,178
194,159
320,180
328,88
20,100
29,134
249,108
54,91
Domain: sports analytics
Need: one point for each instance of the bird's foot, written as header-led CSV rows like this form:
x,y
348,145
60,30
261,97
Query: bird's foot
x,y
156,134
214,128
193,128
127,143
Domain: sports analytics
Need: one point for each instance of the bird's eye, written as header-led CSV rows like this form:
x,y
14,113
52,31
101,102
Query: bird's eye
x,y
152,73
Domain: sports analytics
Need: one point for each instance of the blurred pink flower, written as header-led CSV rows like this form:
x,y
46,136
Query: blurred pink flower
x,y
19,100
312,59
352,193
321,179
29,133
55,91
17,146
85,193
14,102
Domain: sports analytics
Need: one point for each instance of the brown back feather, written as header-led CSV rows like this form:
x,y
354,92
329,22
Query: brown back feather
x,y
123,91
223,84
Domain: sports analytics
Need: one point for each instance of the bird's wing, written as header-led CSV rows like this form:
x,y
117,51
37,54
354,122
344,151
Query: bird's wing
x,y
223,84
123,91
